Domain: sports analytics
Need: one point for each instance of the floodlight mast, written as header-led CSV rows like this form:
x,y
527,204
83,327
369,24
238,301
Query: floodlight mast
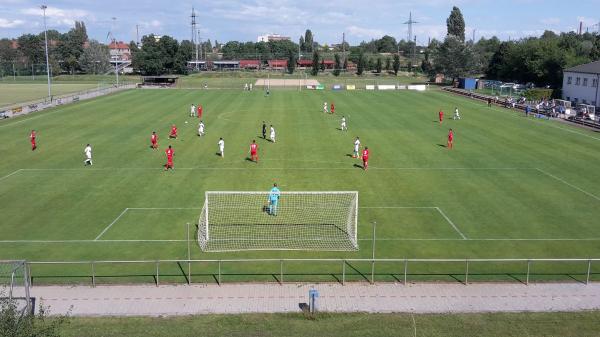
x,y
44,7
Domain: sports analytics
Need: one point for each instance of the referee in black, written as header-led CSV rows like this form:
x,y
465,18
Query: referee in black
x,y
264,130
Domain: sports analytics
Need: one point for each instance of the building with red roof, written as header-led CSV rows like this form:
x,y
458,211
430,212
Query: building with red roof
x,y
250,64
277,64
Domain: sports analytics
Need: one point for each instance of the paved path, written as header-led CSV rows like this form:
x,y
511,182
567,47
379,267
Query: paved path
x,y
149,300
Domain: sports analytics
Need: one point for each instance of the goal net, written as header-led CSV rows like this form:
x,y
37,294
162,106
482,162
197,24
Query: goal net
x,y
14,285
233,221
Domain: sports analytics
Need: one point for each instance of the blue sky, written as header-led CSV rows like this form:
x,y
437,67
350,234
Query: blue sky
x,y
226,20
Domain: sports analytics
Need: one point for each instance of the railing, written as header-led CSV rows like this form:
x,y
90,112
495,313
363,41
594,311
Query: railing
x,y
527,265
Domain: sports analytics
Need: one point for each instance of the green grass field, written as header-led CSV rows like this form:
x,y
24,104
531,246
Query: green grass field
x,y
349,325
511,188
22,93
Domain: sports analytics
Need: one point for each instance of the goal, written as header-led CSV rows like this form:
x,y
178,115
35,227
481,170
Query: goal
x,y
234,221
14,285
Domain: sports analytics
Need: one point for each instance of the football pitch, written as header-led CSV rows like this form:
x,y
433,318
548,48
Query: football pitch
x,y
512,187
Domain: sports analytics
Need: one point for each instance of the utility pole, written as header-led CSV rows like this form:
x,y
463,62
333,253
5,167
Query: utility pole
x,y
43,7
114,20
410,23
137,35
194,32
474,30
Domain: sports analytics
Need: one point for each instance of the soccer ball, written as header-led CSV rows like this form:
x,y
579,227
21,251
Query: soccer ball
x,y
185,122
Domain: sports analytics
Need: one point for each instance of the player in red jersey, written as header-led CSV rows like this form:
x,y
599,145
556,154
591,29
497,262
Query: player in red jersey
x,y
365,158
32,139
173,133
169,151
332,108
254,152
154,140
199,111
441,113
450,139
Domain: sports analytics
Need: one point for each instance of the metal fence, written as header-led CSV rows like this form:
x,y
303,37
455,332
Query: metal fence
x,y
404,267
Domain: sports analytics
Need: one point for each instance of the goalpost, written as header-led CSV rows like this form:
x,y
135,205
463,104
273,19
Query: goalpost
x,y
237,221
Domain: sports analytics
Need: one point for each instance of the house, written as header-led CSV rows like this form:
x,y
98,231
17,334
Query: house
x,y
580,84
304,63
272,37
119,51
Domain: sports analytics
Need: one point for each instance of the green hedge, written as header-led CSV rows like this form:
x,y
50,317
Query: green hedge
x,y
538,94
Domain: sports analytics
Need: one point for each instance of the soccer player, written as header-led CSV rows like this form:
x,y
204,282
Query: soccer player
x,y
221,144
193,111
441,115
274,199
32,140
456,114
450,139
356,148
272,135
173,133
201,129
199,110
332,108
343,126
325,107
365,158
254,151
88,155
264,130
169,152
154,140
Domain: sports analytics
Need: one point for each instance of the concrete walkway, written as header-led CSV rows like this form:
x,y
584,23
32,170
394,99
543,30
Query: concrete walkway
x,y
146,300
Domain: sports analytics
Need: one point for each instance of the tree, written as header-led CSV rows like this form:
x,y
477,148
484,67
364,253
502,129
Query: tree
x,y
388,64
345,66
338,65
396,64
70,46
360,66
185,53
15,323
454,58
149,60
301,43
291,66
386,44
456,24
308,41
95,59
378,65
323,64
315,64
32,48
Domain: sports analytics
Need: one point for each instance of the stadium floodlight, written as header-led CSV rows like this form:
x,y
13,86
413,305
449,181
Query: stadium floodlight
x,y
44,7
238,221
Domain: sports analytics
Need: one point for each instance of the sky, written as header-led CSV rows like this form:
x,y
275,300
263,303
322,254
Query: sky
x,y
360,20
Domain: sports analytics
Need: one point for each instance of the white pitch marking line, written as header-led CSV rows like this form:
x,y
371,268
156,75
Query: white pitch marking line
x,y
287,168
363,239
112,223
89,241
398,207
161,208
451,223
569,184
10,174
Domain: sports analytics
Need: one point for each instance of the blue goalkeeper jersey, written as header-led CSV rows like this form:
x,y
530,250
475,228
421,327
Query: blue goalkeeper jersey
x,y
274,195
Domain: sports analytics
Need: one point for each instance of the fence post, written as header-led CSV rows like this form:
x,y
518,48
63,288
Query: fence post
x,y
281,272
528,267
405,269
219,278
343,272
372,271
589,269
93,275
466,271
189,278
157,262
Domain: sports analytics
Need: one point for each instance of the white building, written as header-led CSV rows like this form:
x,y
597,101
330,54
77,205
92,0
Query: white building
x,y
580,84
272,37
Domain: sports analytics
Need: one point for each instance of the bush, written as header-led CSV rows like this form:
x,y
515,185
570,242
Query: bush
x,y
538,94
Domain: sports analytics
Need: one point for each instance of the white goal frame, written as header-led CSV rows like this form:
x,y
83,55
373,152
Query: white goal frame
x,y
313,221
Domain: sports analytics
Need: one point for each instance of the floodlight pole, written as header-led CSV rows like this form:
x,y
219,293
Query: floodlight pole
x,y
43,7
117,56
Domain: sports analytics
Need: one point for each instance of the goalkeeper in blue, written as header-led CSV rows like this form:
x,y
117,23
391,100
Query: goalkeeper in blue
x,y
273,200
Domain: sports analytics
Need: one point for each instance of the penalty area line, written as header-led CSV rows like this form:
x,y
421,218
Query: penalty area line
x,y
568,184
10,174
451,223
112,223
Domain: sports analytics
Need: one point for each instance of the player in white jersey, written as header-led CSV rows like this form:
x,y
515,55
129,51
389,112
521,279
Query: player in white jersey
x,y
221,144
193,111
201,129
456,114
325,107
88,155
356,148
343,125
272,134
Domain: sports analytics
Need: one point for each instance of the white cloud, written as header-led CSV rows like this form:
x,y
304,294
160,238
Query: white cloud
x,y
4,23
58,16
362,32
550,21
